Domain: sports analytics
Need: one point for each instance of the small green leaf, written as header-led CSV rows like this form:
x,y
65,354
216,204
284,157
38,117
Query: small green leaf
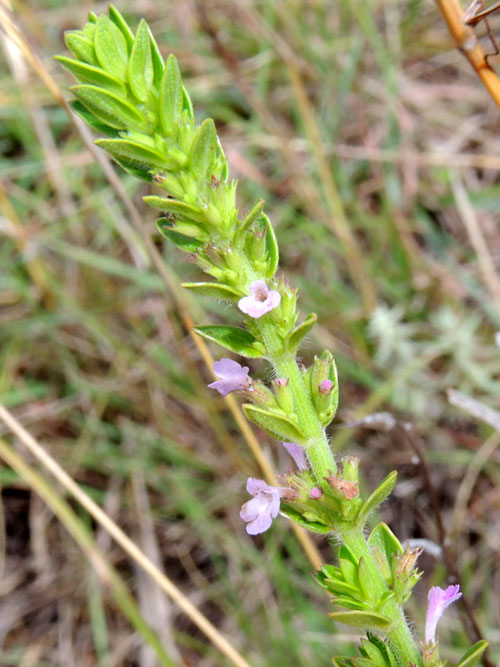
x,y
294,338
353,662
140,66
235,339
132,152
275,423
90,74
157,58
171,95
175,207
109,108
188,106
377,497
365,581
214,290
111,47
203,149
122,25
143,174
361,619
314,526
80,46
186,243
383,537
271,245
92,121
473,655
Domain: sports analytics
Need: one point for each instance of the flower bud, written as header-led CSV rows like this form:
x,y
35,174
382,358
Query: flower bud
x,y
324,387
284,395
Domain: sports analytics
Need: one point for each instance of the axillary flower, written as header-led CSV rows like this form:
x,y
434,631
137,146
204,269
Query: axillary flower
x,y
260,301
232,376
439,601
260,511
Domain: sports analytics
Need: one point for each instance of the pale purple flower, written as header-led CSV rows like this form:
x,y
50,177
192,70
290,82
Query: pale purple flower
x,y
439,600
325,386
315,493
233,376
260,301
298,454
263,507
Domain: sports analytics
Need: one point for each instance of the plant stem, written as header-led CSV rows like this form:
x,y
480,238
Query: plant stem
x,y
399,636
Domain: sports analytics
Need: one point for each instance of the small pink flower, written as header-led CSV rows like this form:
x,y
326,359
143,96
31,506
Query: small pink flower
x,y
315,493
325,386
260,301
438,601
298,454
260,511
233,376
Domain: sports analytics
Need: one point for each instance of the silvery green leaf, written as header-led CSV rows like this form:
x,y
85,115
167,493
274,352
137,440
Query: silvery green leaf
x,y
377,497
81,47
295,337
275,423
109,108
171,100
140,65
238,340
203,149
132,152
186,243
214,290
89,74
362,619
473,655
122,25
175,207
111,47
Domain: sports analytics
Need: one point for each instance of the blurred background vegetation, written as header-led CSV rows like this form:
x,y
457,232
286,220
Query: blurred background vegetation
x,y
360,111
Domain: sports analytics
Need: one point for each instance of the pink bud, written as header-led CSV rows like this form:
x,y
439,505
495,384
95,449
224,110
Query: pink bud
x,y
315,493
325,387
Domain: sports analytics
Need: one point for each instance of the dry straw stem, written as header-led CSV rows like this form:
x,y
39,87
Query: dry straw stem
x,y
13,32
121,538
466,41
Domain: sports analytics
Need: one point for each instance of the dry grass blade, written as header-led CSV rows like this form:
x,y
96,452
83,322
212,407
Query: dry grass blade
x,y
121,538
475,408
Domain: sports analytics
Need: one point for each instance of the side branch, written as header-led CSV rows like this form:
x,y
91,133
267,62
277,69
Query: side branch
x,y
466,41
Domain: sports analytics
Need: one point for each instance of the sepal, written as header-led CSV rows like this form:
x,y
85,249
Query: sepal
x,y
235,339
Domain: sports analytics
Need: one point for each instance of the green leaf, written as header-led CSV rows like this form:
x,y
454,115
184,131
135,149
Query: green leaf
x,y
90,74
235,339
383,538
186,243
275,423
295,337
140,66
143,174
314,526
175,207
365,581
271,245
111,47
202,154
214,290
109,108
157,58
473,655
92,121
130,151
377,497
353,662
122,25
171,95
361,619
81,47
